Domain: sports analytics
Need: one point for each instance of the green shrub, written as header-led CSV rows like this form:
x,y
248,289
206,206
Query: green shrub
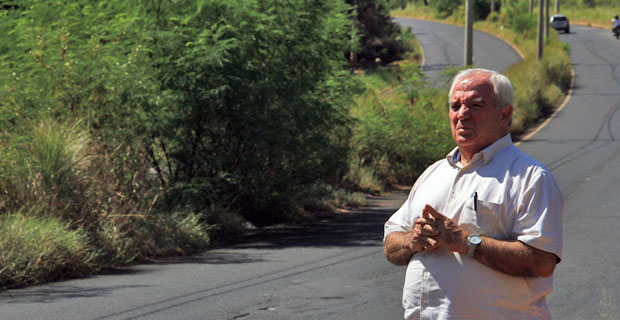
x,y
48,168
525,23
540,84
125,238
225,224
444,9
362,178
344,198
37,249
558,65
380,39
262,117
397,136
482,8
239,101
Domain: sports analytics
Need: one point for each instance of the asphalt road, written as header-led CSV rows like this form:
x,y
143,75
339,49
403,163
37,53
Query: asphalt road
x,y
330,270
581,145
443,47
335,269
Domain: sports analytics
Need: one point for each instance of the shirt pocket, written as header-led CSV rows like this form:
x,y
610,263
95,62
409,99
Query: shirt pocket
x,y
485,219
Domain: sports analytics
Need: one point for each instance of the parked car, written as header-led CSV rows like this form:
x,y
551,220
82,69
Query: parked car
x,y
560,22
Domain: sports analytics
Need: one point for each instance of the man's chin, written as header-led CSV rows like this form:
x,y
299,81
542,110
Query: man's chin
x,y
464,140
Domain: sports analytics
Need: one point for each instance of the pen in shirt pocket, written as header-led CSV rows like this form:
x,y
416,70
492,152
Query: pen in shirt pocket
x,y
476,202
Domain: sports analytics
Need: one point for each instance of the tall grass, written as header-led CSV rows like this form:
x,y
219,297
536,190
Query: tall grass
x,y
53,175
126,238
599,16
36,249
65,194
401,126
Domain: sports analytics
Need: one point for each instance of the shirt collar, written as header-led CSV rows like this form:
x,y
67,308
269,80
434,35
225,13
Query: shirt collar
x,y
487,154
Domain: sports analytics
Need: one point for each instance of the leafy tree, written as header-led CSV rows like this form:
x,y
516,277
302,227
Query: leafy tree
x,y
445,8
380,38
239,102
260,94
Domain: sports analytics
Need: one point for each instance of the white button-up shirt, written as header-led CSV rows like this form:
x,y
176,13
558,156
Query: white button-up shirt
x,y
517,199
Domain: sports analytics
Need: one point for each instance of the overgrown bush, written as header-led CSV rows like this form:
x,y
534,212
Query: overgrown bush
x,y
36,249
125,238
444,9
518,18
447,8
48,169
66,194
482,8
262,117
381,40
525,24
240,102
401,125
540,85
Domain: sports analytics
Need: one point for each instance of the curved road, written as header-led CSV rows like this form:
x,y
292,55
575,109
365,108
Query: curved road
x,y
582,148
335,269
443,47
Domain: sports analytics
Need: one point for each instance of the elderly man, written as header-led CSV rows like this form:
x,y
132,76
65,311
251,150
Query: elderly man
x,y
481,230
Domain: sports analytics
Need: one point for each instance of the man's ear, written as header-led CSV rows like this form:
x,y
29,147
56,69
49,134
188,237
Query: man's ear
x,y
506,114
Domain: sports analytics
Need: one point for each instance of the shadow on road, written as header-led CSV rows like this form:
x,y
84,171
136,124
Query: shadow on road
x,y
355,228
359,227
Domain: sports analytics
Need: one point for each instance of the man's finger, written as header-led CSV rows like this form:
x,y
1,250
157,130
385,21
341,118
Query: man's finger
x,y
430,243
426,241
430,230
434,212
425,214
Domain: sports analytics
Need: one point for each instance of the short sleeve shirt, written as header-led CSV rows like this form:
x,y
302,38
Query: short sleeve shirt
x,y
517,198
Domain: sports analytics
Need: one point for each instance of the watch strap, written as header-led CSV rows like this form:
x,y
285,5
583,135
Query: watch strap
x,y
473,242
470,250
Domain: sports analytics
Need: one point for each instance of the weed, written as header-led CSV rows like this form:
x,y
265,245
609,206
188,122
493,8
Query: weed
x,y
36,249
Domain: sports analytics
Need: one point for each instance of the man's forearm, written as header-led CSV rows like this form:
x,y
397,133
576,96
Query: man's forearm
x,y
511,257
515,258
398,248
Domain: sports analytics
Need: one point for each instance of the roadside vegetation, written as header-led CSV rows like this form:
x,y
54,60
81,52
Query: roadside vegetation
x,y
132,129
596,13
400,126
540,85
135,129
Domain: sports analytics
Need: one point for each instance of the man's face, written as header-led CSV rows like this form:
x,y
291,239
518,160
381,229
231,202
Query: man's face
x,y
475,121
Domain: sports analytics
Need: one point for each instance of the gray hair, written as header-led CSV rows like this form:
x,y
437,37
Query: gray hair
x,y
502,87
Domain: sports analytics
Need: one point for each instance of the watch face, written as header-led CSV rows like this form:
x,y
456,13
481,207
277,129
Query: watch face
x,y
475,240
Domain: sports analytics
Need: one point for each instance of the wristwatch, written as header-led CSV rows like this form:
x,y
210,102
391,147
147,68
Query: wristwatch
x,y
473,242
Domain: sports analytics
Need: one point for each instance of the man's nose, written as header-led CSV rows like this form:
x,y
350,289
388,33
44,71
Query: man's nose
x,y
463,112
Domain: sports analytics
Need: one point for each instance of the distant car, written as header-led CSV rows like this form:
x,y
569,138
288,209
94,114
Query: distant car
x,y
560,22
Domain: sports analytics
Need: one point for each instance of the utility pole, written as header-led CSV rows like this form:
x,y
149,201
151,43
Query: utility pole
x,y
546,19
531,6
539,38
469,30
493,6
557,6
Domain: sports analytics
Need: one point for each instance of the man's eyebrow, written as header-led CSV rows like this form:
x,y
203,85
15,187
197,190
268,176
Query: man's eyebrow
x,y
477,99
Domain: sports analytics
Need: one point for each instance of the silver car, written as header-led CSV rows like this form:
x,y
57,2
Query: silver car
x,y
560,22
